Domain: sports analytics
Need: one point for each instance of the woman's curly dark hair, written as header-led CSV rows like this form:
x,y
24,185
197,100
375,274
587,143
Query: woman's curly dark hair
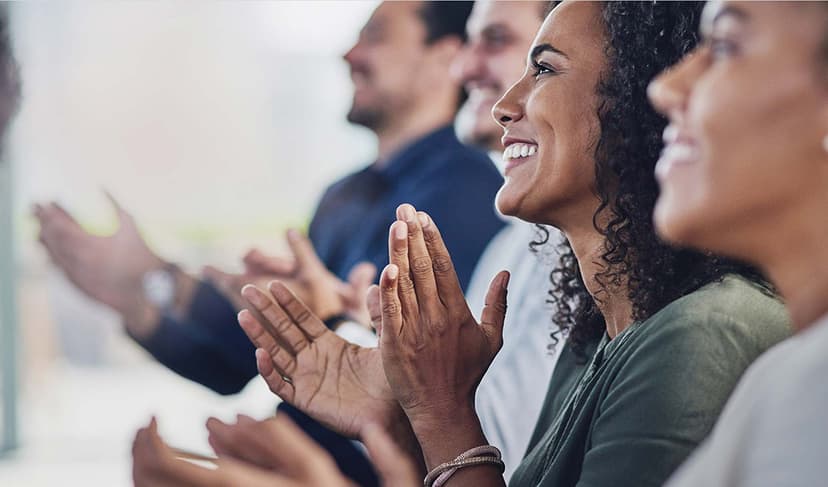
x,y
643,38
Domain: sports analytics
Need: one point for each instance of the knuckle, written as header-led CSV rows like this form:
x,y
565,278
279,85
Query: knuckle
x,y
399,251
442,264
282,325
405,284
302,315
497,306
390,308
421,265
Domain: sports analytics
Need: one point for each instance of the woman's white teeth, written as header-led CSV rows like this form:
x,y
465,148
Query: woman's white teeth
x,y
516,151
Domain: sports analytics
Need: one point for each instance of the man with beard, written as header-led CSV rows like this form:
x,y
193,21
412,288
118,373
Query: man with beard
x,y
401,93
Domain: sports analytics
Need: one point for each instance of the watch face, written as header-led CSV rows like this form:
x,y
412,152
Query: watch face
x,y
159,288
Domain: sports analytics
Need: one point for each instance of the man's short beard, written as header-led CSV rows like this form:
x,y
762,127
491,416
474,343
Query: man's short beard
x,y
368,118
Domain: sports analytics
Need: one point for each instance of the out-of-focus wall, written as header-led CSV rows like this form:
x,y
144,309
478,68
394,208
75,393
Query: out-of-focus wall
x,y
217,124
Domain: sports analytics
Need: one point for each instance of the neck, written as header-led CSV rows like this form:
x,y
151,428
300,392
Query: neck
x,y
395,135
797,262
612,301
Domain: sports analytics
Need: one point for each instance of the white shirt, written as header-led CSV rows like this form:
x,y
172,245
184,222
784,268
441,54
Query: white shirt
x,y
511,393
774,430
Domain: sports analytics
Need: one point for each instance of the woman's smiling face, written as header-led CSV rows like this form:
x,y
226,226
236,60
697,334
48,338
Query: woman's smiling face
x,y
748,114
550,121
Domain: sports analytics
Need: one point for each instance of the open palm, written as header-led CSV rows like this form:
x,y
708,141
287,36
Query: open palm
x,y
339,384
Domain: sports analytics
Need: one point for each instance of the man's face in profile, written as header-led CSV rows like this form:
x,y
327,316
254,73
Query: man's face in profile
x,y
385,63
500,35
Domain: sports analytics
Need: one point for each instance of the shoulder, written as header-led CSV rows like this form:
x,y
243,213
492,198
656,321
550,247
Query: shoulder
x,y
723,317
699,346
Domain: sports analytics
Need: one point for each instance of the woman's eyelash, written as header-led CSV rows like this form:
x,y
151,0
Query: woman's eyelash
x,y
540,69
720,47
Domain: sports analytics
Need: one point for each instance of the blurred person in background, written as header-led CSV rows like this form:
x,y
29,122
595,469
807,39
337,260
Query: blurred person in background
x,y
402,93
745,173
509,399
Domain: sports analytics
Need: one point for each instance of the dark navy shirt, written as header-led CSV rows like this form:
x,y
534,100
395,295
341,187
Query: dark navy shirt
x,y
455,184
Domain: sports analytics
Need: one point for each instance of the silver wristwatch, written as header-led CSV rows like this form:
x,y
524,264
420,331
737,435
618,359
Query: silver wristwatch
x,y
159,287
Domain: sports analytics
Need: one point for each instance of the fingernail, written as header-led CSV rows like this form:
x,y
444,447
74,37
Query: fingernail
x,y
408,213
251,294
401,232
393,270
424,219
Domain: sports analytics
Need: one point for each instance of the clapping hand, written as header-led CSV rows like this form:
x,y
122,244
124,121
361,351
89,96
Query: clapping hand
x,y
269,453
323,292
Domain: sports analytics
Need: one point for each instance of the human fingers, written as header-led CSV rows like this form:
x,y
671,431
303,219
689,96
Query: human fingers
x,y
494,311
306,258
372,300
230,440
419,263
398,255
281,327
281,359
258,262
448,285
296,310
390,308
278,383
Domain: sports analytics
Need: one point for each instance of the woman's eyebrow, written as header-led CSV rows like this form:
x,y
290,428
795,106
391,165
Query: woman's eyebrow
x,y
541,48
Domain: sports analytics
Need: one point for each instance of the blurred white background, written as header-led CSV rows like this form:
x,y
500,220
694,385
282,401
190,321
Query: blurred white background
x,y
217,124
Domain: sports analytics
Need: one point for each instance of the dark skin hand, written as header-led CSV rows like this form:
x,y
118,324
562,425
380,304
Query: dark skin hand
x,y
339,384
434,352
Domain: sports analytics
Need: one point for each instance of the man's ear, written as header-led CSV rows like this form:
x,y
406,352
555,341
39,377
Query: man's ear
x,y
445,50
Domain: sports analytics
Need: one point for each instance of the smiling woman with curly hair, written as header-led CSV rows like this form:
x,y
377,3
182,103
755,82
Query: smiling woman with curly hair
x,y
656,337
642,40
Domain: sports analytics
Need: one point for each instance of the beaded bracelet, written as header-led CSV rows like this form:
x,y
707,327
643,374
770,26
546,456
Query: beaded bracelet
x,y
481,455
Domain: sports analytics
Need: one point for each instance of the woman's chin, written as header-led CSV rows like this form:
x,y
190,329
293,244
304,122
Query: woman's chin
x,y
512,203
507,202
672,225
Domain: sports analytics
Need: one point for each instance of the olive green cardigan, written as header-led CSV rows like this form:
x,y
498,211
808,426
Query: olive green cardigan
x,y
636,409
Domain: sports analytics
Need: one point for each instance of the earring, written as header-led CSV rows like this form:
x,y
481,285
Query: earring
x,y
825,143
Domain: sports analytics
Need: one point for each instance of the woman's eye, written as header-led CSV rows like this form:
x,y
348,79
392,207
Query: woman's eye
x,y
541,69
721,48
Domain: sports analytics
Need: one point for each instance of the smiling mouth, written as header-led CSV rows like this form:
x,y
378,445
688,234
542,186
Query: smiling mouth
x,y
519,151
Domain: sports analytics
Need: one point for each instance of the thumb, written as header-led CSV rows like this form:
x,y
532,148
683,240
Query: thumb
x,y
362,275
303,251
124,218
494,311
257,262
372,300
218,277
359,280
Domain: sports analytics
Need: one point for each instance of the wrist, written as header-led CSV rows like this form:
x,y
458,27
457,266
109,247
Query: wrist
x,y
439,416
443,435
141,319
